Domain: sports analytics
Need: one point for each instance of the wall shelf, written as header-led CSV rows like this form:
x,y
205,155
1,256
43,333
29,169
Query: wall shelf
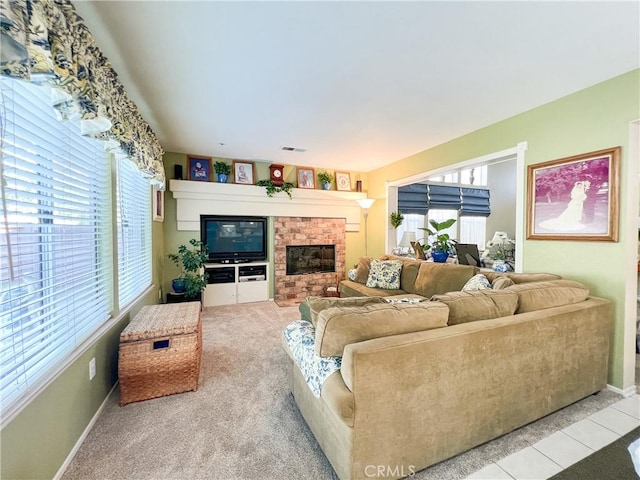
x,y
209,198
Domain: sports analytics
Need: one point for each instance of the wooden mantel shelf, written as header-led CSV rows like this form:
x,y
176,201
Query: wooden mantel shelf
x,y
208,198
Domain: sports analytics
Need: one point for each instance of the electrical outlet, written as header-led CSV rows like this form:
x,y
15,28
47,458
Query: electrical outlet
x,y
160,295
92,368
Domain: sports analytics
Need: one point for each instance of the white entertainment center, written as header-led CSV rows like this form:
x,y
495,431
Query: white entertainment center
x,y
230,283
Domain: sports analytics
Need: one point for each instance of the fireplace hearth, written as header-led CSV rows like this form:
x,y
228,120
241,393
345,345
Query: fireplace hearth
x,y
306,259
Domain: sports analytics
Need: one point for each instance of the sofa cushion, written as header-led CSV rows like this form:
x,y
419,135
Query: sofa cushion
x,y
471,306
534,296
501,282
338,327
355,289
477,282
385,274
317,304
523,277
362,270
434,278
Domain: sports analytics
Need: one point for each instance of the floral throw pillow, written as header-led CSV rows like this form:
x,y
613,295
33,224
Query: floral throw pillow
x,y
385,274
477,282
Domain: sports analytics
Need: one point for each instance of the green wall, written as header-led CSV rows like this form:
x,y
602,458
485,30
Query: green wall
x,y
591,119
35,444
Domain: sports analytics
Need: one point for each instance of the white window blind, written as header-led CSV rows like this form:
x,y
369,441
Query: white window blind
x,y
134,232
58,210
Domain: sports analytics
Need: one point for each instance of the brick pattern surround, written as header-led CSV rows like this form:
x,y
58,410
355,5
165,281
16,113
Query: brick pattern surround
x,y
293,289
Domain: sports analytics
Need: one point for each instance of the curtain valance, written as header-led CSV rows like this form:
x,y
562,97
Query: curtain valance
x,y
47,41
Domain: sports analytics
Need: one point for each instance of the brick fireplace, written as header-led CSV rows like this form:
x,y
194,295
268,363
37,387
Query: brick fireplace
x,y
293,289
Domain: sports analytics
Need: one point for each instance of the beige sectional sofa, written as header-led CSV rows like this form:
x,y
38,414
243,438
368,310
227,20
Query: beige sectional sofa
x,y
422,382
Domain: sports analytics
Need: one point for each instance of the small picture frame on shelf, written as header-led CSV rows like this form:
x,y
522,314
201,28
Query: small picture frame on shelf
x,y
306,177
343,181
243,172
198,168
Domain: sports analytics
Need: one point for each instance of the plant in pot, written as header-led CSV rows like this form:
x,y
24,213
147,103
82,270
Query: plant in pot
x,y
440,242
223,170
190,260
325,179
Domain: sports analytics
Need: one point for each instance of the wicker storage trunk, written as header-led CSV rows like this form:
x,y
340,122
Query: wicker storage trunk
x,y
160,352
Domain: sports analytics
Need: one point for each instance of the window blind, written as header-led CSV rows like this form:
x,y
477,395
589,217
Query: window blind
x,y
58,209
475,202
134,232
443,197
412,199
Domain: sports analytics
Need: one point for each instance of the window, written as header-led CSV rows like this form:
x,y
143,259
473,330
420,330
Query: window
x,y
134,232
57,208
56,233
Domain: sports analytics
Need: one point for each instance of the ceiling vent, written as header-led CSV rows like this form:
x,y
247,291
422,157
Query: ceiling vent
x,y
293,149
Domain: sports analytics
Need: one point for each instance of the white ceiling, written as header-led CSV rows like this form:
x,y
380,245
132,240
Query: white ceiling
x,y
356,84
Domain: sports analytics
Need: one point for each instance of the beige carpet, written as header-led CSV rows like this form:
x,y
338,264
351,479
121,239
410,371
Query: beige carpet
x,y
243,424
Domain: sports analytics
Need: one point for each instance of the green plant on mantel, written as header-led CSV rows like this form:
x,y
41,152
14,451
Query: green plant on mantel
x,y
222,167
325,177
272,188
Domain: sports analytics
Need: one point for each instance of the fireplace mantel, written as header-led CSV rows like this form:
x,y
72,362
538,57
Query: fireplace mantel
x,y
208,198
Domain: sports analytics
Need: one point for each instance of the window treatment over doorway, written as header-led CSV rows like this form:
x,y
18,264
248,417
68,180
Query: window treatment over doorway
x,y
46,41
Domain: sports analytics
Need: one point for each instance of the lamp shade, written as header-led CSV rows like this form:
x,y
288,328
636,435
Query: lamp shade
x,y
366,202
407,238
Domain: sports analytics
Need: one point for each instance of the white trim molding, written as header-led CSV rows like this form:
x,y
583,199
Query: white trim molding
x,y
208,198
85,433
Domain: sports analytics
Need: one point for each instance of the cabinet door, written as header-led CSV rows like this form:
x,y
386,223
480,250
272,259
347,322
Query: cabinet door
x,y
255,291
219,294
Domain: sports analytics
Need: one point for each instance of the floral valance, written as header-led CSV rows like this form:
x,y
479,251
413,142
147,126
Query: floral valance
x,y
47,41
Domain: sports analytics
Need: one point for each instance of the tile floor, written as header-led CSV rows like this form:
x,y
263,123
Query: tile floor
x,y
566,447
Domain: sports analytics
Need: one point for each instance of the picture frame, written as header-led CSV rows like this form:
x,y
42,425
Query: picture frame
x,y
575,198
244,172
158,205
306,177
199,168
343,181
419,252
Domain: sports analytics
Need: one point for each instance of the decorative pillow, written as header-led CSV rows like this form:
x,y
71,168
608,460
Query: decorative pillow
x,y
477,282
396,299
351,275
500,283
385,274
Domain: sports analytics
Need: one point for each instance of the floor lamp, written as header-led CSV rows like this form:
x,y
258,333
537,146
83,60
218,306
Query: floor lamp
x,y
365,204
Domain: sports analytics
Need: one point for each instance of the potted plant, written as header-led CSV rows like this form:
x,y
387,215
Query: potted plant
x,y
325,179
441,243
272,188
396,219
223,170
190,260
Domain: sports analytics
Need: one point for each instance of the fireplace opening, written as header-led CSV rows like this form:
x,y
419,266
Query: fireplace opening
x,y
303,259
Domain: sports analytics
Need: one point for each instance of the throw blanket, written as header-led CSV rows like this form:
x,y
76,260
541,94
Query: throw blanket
x,y
300,336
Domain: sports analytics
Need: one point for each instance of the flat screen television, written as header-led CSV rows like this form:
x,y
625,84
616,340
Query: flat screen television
x,y
234,239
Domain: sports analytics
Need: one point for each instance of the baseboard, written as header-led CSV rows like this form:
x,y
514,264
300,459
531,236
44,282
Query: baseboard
x,y
627,392
76,447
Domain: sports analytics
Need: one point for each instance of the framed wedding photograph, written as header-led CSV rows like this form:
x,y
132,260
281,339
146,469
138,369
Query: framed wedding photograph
x,y
158,205
343,181
198,168
575,198
243,172
306,177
